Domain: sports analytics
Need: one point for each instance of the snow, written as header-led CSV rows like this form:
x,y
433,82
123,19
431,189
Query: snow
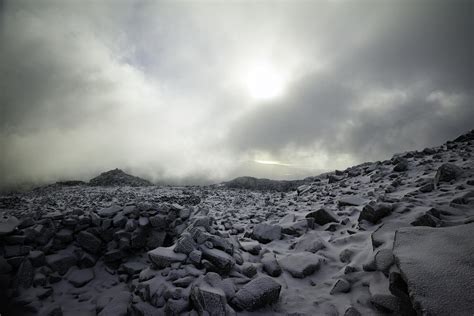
x,y
264,245
438,266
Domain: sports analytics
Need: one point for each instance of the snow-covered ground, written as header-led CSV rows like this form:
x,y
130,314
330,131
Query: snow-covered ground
x,y
326,249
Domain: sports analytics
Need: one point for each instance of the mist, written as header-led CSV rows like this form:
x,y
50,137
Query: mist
x,y
200,92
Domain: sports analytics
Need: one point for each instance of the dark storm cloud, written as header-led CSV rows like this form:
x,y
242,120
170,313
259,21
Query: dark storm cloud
x,y
160,88
387,93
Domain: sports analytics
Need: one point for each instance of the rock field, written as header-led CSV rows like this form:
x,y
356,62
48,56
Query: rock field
x,y
391,237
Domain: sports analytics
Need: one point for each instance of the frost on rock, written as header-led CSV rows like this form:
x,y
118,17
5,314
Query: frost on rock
x,y
438,266
165,256
266,233
300,264
257,293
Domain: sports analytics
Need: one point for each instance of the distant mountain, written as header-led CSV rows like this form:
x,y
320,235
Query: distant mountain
x,y
117,177
251,183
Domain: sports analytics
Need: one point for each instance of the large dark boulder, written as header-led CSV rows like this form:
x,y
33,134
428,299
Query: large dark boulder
x,y
322,216
374,213
447,172
257,293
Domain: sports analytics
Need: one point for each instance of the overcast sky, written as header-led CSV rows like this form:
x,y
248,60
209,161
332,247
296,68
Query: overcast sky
x,y
204,91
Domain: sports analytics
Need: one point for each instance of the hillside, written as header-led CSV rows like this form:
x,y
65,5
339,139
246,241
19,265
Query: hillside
x,y
381,238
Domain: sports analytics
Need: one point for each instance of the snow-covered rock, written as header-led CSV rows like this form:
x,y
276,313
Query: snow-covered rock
x,y
438,266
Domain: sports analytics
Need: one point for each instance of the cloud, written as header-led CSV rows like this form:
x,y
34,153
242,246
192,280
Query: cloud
x,y
156,87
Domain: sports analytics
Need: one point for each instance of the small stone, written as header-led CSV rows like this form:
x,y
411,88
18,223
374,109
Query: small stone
x,y
249,270
133,267
79,278
351,201
341,286
195,256
89,242
183,282
346,255
270,265
185,244
322,216
351,311
300,264
109,211
8,224
44,293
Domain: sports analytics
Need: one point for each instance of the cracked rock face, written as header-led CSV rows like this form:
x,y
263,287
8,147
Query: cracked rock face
x,y
391,236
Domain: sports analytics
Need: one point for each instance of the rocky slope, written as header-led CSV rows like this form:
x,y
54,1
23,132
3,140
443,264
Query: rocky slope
x,y
117,177
390,237
260,184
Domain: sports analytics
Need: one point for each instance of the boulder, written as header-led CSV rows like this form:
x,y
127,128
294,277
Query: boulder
x,y
109,211
257,293
341,286
79,278
322,216
386,303
209,300
25,274
437,265
266,233
252,247
37,258
185,244
8,224
374,213
300,264
401,166
118,306
270,265
133,267
447,172
220,259
89,242
163,257
60,262
351,201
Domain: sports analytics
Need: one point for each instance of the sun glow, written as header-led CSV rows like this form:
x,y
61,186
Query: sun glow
x,y
271,162
263,81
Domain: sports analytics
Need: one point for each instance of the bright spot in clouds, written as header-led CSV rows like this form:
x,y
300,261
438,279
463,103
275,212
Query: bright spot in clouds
x,y
263,81
271,162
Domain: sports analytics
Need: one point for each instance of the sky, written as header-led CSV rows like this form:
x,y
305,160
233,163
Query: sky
x,y
203,91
